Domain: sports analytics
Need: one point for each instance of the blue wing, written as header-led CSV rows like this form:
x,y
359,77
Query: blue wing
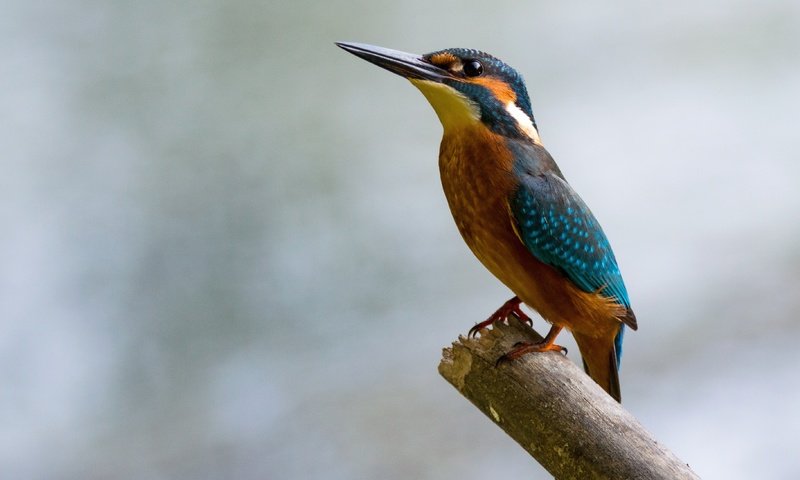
x,y
560,230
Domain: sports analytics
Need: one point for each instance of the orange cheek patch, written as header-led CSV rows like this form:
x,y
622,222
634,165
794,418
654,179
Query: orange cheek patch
x,y
499,89
443,59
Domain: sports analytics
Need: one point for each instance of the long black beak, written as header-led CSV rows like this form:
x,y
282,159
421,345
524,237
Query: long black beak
x,y
404,64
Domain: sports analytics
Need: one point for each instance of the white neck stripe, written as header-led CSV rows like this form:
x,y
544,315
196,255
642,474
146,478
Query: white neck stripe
x,y
524,122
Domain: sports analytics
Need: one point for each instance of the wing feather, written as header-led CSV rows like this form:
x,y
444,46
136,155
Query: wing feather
x,y
559,229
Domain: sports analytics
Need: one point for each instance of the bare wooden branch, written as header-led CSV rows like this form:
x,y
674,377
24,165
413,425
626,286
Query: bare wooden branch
x,y
555,411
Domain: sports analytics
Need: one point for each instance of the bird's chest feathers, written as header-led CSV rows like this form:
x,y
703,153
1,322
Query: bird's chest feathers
x,y
476,171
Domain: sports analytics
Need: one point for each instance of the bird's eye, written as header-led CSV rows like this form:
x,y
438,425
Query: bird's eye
x,y
473,68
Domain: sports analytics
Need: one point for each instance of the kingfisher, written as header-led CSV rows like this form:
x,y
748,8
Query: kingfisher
x,y
514,208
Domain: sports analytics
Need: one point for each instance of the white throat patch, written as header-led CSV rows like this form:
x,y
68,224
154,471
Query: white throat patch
x,y
524,122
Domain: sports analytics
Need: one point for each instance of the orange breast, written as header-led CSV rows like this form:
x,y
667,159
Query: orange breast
x,y
477,176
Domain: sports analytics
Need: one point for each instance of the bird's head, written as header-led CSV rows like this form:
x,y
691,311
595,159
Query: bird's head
x,y
464,87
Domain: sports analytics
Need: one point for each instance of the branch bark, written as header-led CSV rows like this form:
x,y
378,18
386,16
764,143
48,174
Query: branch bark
x,y
555,411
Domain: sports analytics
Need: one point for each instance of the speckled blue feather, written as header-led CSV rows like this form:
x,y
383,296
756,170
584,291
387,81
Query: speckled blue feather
x,y
559,229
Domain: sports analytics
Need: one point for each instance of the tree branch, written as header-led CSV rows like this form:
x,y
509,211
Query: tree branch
x,y
555,411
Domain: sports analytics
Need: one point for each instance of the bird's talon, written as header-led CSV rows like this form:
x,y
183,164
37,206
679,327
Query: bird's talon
x,y
522,316
545,345
511,307
503,359
476,329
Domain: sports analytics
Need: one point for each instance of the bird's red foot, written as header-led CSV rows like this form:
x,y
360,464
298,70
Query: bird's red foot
x,y
546,345
501,315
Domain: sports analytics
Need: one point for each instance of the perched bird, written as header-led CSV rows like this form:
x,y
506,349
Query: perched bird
x,y
514,208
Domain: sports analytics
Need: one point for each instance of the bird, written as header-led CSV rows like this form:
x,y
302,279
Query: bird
x,y
515,209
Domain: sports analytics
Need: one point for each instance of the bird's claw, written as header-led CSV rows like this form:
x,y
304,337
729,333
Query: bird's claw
x,y
521,348
501,360
511,307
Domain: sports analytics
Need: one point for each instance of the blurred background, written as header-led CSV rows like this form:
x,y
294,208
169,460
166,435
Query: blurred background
x,y
226,254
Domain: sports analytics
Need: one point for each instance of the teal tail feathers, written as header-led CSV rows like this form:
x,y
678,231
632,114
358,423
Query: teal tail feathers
x,y
600,362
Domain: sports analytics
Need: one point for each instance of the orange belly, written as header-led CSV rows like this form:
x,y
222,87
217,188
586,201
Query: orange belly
x,y
476,172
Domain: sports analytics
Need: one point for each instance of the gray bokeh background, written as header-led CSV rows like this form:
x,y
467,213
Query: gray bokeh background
x,y
226,253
